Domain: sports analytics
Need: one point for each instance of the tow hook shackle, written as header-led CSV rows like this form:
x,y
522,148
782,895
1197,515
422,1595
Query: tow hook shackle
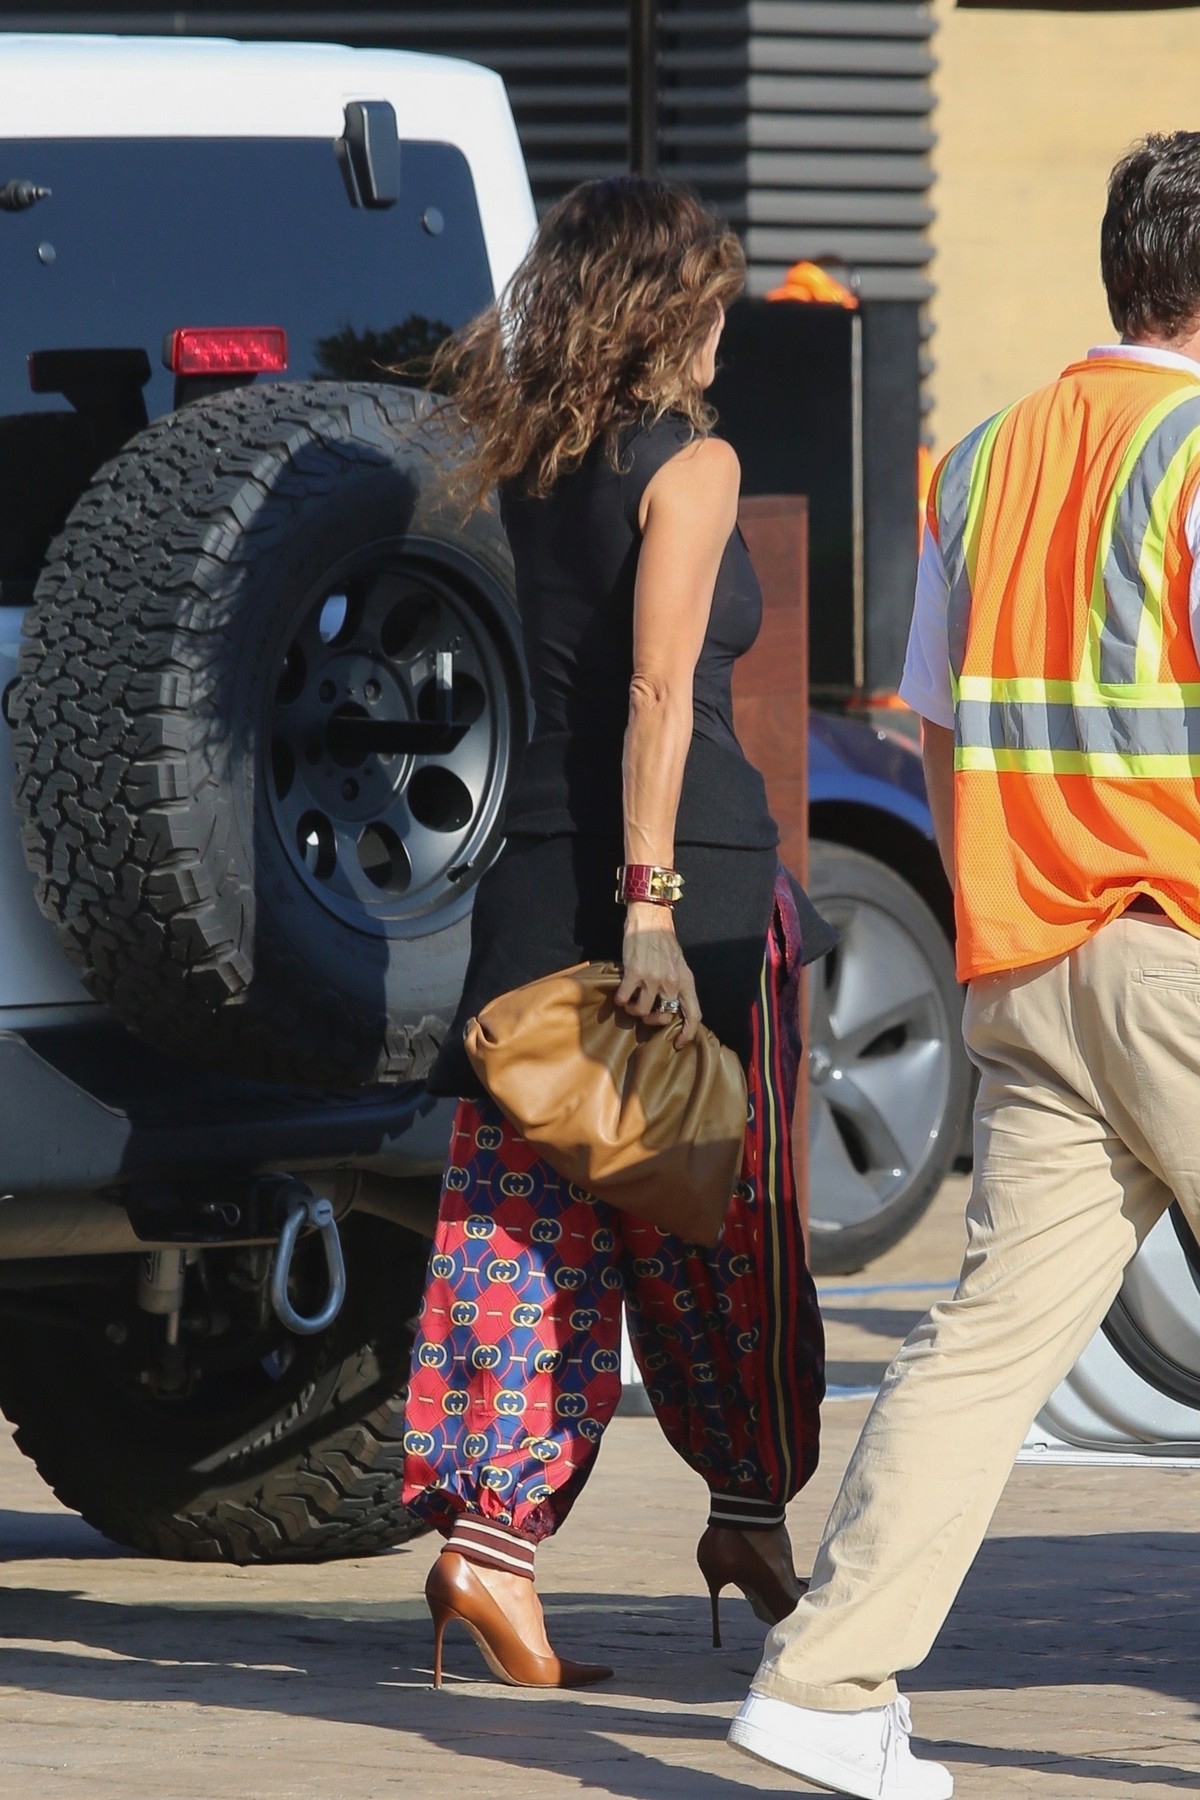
x,y
302,1209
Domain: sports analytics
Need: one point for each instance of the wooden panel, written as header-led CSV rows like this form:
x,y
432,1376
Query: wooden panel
x,y
770,704
770,687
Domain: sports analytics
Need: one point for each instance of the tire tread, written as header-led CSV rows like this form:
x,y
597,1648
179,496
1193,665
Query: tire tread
x,y
119,801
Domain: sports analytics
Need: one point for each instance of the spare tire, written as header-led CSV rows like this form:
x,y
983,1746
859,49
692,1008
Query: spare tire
x,y
264,725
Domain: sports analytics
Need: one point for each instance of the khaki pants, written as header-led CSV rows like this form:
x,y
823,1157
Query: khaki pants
x,y
1087,1124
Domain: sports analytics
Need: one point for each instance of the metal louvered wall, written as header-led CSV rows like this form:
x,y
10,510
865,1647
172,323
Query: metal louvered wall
x,y
805,122
838,140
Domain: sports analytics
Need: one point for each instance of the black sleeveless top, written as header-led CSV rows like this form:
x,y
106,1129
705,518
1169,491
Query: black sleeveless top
x,y
548,900
576,554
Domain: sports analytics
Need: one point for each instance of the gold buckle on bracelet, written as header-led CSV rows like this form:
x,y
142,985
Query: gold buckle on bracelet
x,y
664,886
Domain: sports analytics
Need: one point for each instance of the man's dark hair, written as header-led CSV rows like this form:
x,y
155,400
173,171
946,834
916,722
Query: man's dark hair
x,y
1150,238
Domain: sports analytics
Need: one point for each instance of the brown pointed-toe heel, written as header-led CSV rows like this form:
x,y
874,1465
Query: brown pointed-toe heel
x,y
454,1591
727,1558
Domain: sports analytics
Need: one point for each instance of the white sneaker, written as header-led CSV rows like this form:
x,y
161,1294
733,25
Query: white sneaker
x,y
865,1754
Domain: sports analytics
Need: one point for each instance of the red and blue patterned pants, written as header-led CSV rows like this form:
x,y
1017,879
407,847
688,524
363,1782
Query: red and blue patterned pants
x,y
516,1368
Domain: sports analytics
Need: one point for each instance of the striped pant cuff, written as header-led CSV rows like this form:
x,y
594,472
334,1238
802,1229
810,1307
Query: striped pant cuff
x,y
745,1512
493,1546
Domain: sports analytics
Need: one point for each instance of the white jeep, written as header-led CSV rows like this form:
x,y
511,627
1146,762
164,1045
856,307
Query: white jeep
x,y
260,691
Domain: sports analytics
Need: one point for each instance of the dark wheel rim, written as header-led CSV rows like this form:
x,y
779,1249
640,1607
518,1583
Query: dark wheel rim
x,y
390,732
880,1065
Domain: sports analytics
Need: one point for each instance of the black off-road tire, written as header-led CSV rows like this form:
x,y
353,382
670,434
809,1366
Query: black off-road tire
x,y
305,1469
148,693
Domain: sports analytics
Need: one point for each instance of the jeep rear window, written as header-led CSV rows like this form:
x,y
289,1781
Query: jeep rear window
x,y
143,235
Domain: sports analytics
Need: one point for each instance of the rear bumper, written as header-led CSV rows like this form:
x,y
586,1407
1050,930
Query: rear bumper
x,y
87,1107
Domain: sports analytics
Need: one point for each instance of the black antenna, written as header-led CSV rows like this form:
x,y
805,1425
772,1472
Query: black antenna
x,y
643,87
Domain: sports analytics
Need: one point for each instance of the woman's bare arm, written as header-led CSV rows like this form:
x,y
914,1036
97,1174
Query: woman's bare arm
x,y
688,511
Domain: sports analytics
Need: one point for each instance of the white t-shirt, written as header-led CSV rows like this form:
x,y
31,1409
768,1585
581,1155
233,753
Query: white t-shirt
x,y
925,684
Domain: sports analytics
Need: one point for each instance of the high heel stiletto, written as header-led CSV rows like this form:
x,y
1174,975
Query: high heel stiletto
x,y
727,1558
454,1591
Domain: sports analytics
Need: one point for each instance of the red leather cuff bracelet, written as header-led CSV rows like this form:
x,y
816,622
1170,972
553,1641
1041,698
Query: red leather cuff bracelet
x,y
647,881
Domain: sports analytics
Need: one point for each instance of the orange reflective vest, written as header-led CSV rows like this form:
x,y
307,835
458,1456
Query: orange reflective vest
x,y
1075,679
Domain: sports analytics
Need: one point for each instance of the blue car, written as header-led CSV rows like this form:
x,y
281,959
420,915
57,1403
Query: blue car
x,y
889,1080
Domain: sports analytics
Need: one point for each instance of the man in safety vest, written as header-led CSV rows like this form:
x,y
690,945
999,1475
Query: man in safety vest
x,y
1054,658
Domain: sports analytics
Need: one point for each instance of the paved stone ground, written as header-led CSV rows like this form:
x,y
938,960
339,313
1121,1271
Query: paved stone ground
x,y
1068,1671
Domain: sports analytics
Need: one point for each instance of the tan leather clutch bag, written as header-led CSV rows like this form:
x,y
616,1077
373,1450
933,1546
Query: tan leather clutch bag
x,y
611,1103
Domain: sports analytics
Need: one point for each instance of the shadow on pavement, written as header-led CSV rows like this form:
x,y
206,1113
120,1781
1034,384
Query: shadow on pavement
x,y
1086,1768
375,1673
1105,1610
876,1321
881,1322
854,1374
1063,1612
26,1536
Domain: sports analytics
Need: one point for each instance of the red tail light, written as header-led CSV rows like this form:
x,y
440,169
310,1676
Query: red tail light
x,y
227,350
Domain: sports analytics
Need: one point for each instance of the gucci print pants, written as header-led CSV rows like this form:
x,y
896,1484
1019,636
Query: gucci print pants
x,y
516,1367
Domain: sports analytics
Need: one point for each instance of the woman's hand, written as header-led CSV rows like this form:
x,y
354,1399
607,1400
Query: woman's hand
x,y
654,970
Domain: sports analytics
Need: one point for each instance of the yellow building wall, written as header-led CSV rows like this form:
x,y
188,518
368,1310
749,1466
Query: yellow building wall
x,y
1032,111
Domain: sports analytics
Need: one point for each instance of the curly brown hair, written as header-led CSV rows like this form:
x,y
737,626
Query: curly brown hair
x,y
598,328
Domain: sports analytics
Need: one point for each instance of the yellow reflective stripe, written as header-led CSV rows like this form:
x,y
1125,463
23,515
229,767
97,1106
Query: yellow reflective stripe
x,y
935,495
976,492
1032,690
960,596
1098,603
974,759
1151,568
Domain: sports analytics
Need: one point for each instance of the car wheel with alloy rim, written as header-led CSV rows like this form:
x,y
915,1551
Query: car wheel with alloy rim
x,y
889,1080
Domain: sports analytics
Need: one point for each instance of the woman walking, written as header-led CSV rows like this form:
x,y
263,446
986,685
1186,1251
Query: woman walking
x,y
583,392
